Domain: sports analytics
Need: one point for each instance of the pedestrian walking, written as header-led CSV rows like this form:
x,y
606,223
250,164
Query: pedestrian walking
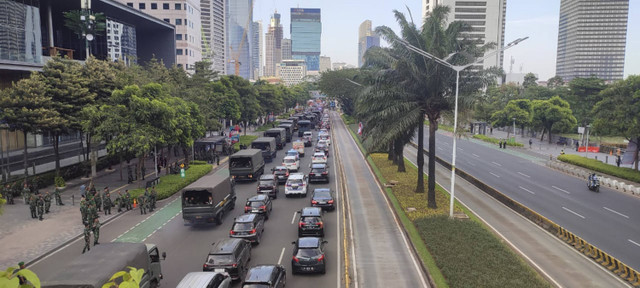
x,y
8,194
530,142
141,204
32,206
83,210
47,202
87,238
96,231
56,194
83,189
40,203
577,145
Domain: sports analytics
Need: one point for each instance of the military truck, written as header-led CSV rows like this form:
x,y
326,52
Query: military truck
x,y
280,134
208,199
268,147
288,128
95,268
246,164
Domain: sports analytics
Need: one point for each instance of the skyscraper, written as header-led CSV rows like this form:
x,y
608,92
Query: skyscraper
x,y
212,18
306,29
256,49
286,49
273,45
592,39
366,39
239,19
325,63
486,18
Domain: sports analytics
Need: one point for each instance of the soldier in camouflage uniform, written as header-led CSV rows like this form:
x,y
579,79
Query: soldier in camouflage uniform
x,y
98,199
47,202
56,194
9,194
87,238
107,203
83,210
32,206
92,214
26,193
40,203
128,200
120,201
96,231
142,204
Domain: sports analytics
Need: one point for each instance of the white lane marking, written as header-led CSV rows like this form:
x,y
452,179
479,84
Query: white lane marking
x,y
470,163
494,174
614,211
281,254
478,156
498,164
565,191
574,213
634,242
525,189
525,175
294,217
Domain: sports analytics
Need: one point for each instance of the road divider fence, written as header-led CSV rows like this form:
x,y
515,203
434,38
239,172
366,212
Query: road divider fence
x,y
615,266
604,180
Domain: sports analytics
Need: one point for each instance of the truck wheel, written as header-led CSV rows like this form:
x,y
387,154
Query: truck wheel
x,y
219,218
153,284
233,205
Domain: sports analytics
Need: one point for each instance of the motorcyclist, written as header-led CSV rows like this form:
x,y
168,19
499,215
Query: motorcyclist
x,y
592,180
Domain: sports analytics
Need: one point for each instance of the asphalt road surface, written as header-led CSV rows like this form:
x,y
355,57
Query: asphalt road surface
x,y
608,219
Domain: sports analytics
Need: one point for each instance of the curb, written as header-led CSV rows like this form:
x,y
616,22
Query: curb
x,y
580,172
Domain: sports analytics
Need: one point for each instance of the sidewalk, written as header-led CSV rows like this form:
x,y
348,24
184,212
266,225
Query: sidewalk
x,y
25,239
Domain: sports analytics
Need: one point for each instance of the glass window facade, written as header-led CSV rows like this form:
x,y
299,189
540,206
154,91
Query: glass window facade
x,y
20,36
238,48
306,31
121,42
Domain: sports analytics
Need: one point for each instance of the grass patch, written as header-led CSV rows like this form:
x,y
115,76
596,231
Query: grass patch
x,y
617,141
495,140
268,126
348,120
471,256
596,165
244,140
170,184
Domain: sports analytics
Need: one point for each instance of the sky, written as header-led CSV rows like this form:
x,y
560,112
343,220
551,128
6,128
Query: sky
x,y
536,19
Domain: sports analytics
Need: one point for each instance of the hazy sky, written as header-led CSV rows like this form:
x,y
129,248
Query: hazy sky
x,y
536,19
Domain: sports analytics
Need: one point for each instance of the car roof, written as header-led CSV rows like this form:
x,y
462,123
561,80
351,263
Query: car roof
x,y
296,175
268,176
260,197
318,165
289,157
321,190
225,246
261,273
292,151
246,218
197,279
309,242
319,154
280,168
311,211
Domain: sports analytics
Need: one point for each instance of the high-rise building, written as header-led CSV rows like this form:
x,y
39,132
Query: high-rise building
x,y
239,19
366,39
286,49
486,18
325,63
256,49
185,15
212,19
291,72
273,45
306,29
592,36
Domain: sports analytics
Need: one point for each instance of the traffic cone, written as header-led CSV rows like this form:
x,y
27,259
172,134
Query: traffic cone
x,y
135,203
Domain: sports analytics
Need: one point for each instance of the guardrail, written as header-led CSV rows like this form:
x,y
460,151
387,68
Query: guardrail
x,y
615,266
604,181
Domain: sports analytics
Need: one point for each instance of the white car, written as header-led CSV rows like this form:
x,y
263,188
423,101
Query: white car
x,y
296,185
294,153
324,141
291,162
318,158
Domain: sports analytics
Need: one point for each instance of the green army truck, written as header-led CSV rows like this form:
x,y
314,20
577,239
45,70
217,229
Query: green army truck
x,y
208,199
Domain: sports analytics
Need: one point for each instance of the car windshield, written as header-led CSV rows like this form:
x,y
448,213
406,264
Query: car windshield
x,y
280,172
254,204
220,259
322,194
295,181
310,219
308,252
292,153
289,160
242,227
266,183
317,170
261,146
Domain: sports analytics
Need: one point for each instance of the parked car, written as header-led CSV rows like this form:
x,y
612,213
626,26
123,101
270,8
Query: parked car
x,y
268,185
296,185
308,255
319,172
249,227
259,204
311,222
319,157
323,198
281,173
265,276
291,163
232,255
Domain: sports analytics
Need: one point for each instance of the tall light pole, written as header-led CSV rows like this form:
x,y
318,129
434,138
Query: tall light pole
x,y
587,146
514,129
456,68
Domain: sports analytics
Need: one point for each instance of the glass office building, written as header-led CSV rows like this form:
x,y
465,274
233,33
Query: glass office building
x,y
239,17
306,29
20,38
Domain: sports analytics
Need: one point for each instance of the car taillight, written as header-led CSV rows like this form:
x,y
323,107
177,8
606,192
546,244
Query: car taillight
x,y
234,265
250,176
321,258
247,208
296,259
204,266
253,231
263,207
231,232
325,173
314,202
287,174
300,224
330,201
320,224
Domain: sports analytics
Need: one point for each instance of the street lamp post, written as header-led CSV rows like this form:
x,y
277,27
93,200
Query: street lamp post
x,y
456,68
514,129
587,146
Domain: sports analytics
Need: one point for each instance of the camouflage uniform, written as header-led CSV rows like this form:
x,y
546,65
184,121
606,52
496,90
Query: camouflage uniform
x,y
142,204
47,202
98,199
87,238
120,201
56,194
128,200
26,193
96,232
40,203
154,197
83,211
107,203
32,206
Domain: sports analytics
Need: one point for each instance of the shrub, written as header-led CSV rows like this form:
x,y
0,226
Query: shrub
x,y
245,140
596,165
495,141
170,184
348,120
267,126
60,182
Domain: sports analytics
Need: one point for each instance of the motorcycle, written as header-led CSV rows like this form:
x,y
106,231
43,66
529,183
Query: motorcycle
x,y
594,185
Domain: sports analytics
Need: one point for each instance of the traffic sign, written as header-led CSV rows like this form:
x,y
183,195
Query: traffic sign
x,y
182,172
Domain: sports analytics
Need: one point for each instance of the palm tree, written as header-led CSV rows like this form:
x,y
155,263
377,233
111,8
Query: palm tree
x,y
417,87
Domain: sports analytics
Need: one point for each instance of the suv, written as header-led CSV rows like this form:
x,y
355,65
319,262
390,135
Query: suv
x,y
319,172
308,255
268,185
265,276
249,227
322,147
281,173
310,222
296,185
319,157
323,198
259,204
291,162
231,255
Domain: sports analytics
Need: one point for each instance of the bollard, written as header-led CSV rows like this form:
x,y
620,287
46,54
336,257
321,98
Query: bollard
x,y
73,200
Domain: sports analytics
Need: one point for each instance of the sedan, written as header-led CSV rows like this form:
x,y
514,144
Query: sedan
x,y
319,172
323,198
308,255
282,173
259,204
322,147
319,157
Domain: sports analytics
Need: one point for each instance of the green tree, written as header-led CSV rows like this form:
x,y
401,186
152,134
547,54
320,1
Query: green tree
x,y
9,278
520,109
553,115
618,112
336,84
530,80
583,94
555,82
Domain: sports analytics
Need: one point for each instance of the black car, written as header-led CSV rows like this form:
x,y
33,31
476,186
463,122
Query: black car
x,y
308,255
281,173
320,147
265,276
268,185
259,204
232,255
323,198
311,222
249,227
319,172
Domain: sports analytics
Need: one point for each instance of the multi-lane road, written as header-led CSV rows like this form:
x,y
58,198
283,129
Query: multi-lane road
x,y
608,219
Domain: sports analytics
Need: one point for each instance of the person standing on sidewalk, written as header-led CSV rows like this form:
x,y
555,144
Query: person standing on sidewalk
x,y
142,204
128,200
47,202
40,203
32,206
87,238
56,194
107,202
530,142
119,201
83,189
96,231
83,210
26,193
98,199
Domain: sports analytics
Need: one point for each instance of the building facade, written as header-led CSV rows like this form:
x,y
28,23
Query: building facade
x,y
286,49
273,46
486,18
239,17
185,16
366,39
306,31
291,72
212,20
256,49
592,37
325,63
